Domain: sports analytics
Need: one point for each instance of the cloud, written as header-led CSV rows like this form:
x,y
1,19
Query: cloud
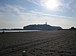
x,y
11,15
72,5
37,2
10,12
36,13
10,9
55,5
69,5
61,5
34,17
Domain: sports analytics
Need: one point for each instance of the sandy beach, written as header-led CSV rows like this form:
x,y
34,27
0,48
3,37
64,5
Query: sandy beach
x,y
38,43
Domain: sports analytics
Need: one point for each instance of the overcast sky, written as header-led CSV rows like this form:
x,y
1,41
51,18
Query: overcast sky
x,y
19,13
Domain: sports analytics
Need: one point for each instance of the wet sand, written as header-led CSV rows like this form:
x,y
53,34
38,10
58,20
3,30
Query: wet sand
x,y
39,43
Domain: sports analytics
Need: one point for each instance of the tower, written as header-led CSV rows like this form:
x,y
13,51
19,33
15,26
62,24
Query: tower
x,y
45,23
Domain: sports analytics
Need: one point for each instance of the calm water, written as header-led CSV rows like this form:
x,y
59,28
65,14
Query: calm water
x,y
18,30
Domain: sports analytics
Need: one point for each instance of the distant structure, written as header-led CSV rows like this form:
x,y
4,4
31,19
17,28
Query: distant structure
x,y
41,27
72,28
46,23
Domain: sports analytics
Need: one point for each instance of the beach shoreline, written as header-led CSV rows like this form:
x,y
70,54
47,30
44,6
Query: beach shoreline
x,y
11,43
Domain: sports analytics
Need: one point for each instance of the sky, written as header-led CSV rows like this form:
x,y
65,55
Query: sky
x,y
19,13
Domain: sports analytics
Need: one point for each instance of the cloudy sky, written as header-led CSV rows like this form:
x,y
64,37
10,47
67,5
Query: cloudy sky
x,y
19,13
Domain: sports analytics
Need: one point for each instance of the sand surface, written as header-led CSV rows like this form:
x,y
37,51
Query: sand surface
x,y
40,43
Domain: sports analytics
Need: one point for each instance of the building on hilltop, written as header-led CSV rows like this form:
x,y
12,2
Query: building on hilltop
x,y
41,27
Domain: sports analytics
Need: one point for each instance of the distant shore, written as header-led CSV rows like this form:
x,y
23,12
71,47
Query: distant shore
x,y
18,30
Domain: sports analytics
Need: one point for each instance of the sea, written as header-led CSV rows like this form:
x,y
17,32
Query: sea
x,y
18,30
